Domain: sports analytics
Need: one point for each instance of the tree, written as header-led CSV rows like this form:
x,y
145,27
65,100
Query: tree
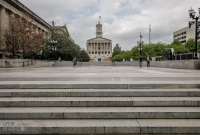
x,y
190,44
116,50
66,48
21,38
84,55
176,42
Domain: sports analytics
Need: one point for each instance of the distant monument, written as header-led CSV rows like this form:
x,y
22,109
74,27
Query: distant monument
x,y
99,48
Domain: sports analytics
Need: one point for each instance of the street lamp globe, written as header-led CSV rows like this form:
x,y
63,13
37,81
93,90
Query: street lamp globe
x,y
193,14
190,12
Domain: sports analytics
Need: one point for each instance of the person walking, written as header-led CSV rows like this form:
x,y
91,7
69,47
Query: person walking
x,y
148,59
140,60
59,59
74,61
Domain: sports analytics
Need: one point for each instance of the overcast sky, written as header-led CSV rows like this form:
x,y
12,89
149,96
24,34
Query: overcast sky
x,y
122,20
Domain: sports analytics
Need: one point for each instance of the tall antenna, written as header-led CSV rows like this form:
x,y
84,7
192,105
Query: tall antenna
x,y
149,33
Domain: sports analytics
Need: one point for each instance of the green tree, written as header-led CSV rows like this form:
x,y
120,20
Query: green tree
x,y
84,55
118,57
116,50
135,53
190,44
126,55
66,48
176,42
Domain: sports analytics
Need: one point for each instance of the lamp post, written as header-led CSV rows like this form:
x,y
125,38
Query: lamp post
x,y
53,42
197,31
140,43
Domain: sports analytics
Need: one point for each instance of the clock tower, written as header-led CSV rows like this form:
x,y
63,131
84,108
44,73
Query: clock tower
x,y
99,48
99,32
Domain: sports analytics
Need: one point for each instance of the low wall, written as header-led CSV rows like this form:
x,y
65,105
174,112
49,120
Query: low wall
x,y
39,64
179,64
18,63
93,64
15,63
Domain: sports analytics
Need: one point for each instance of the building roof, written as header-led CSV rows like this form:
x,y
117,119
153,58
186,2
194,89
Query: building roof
x,y
99,37
20,6
64,28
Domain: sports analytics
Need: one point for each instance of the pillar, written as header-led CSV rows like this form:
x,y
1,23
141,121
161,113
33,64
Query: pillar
x,y
2,18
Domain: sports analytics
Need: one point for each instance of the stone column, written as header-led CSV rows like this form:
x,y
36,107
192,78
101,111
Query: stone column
x,y
37,30
2,17
111,47
12,15
43,33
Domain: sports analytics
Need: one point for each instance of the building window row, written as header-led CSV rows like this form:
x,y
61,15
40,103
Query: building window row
x,y
99,52
181,38
183,33
99,48
183,41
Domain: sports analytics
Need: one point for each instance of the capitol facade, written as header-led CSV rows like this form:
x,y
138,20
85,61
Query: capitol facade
x,y
99,48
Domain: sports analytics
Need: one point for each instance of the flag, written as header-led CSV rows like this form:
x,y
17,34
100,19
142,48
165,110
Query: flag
x,y
141,36
99,17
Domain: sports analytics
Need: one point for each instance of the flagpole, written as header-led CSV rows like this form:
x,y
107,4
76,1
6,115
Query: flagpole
x,y
140,43
149,34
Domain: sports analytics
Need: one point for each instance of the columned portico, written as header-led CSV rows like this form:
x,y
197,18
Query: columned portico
x,y
99,47
12,8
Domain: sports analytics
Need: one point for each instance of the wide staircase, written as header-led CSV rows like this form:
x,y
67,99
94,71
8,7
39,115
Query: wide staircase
x,y
100,108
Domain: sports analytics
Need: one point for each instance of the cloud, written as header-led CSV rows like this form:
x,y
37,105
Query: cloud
x,y
122,20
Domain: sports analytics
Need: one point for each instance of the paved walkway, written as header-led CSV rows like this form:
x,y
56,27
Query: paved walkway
x,y
98,74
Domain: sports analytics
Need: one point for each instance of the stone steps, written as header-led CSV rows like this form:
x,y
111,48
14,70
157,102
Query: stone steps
x,y
99,113
99,101
100,92
99,84
101,126
35,107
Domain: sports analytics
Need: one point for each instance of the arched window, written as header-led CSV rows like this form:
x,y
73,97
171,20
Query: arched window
x,y
108,52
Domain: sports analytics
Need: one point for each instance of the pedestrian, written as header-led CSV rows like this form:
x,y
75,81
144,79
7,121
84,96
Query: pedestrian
x,y
148,59
140,60
74,61
60,59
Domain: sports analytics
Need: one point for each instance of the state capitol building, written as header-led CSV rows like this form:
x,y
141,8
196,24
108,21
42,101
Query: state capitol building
x,y
99,48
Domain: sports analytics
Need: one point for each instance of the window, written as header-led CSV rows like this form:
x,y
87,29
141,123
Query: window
x,y
183,41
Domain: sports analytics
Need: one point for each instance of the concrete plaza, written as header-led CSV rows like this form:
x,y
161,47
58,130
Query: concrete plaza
x,y
108,73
